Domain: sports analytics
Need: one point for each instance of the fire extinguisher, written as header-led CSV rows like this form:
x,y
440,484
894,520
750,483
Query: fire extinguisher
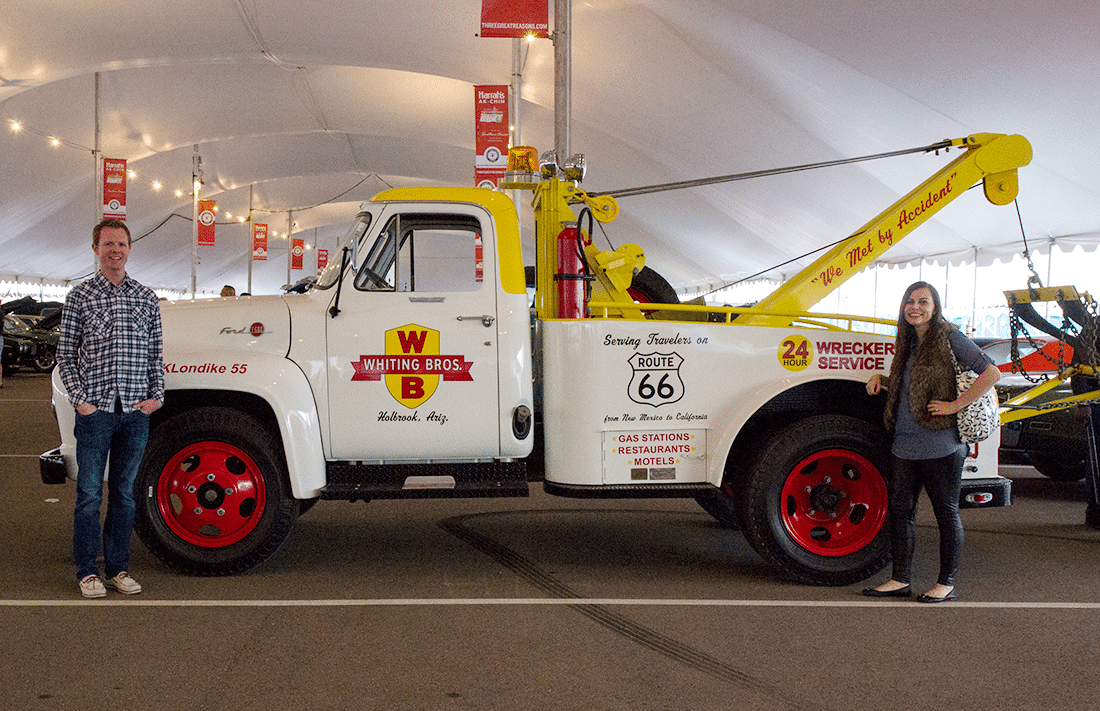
x,y
571,277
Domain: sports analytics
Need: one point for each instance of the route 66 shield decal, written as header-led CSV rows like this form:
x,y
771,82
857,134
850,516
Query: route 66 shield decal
x,y
656,378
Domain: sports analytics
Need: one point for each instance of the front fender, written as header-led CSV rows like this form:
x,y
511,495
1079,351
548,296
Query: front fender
x,y
282,385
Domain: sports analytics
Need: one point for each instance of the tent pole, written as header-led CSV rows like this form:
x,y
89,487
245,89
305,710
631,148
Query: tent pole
x,y
563,70
974,299
196,181
289,243
98,173
250,237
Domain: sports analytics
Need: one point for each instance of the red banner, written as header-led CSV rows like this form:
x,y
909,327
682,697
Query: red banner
x,y
259,242
206,222
515,18
297,249
114,188
490,134
322,260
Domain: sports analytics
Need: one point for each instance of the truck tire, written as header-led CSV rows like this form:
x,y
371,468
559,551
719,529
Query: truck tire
x,y
45,360
721,506
1059,464
212,493
815,499
649,287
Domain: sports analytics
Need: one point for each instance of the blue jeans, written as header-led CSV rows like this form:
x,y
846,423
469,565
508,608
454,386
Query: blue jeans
x,y
118,437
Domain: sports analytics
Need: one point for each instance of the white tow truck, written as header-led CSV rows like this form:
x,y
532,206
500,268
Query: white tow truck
x,y
409,370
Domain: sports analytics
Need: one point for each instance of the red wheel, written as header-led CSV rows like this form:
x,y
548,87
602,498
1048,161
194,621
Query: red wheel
x,y
814,499
211,494
649,287
834,502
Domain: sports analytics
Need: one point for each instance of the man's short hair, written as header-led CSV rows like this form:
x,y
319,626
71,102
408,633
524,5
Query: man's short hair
x,y
110,222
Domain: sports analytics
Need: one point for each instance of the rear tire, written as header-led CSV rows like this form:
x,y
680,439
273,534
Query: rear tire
x,y
212,493
1065,465
722,506
815,500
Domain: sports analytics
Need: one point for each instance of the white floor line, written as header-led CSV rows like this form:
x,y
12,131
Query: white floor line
x,y
458,602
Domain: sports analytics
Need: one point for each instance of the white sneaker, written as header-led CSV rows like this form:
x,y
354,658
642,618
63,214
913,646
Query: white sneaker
x,y
92,586
124,584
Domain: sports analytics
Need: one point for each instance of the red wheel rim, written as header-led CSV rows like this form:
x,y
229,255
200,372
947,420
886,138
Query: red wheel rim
x,y
211,494
834,502
640,298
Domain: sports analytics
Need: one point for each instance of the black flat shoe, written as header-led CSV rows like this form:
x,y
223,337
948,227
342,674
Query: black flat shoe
x,y
900,592
928,598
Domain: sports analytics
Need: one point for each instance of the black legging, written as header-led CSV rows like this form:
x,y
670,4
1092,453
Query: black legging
x,y
942,479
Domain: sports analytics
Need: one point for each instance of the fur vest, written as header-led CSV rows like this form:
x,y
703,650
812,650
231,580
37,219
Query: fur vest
x,y
932,378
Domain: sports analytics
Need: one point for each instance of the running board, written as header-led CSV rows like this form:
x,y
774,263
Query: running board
x,y
350,481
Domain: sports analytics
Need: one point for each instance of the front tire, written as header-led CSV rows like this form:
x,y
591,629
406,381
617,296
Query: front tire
x,y
815,500
212,493
45,360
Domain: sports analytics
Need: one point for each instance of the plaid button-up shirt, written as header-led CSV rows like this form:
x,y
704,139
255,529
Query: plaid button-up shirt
x,y
111,344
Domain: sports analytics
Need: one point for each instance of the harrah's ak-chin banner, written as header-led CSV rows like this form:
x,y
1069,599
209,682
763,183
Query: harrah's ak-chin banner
x,y
490,134
206,222
297,251
515,18
259,242
114,188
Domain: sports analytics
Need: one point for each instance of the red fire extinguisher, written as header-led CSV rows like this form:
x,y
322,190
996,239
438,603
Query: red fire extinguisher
x,y
571,278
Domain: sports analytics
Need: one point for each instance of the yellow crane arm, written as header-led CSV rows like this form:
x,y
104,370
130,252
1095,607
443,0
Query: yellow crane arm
x,y
990,157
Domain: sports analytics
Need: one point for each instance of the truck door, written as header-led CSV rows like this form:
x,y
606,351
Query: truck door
x,y
412,357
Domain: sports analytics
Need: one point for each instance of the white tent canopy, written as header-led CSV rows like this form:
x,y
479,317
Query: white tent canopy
x,y
316,105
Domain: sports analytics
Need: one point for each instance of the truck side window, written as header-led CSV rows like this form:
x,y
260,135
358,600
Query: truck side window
x,y
424,253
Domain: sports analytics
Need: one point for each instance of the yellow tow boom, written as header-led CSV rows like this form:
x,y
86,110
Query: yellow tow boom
x,y
990,157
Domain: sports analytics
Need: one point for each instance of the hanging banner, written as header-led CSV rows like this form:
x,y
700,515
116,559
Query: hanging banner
x,y
515,18
490,134
322,260
206,223
259,242
297,249
114,188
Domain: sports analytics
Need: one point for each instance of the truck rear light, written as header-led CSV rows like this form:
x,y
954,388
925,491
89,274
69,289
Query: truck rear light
x,y
979,497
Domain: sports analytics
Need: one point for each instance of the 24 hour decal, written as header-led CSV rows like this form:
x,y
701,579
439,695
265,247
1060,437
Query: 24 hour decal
x,y
412,365
795,353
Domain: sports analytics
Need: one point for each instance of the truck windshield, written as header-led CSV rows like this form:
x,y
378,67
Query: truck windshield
x,y
331,273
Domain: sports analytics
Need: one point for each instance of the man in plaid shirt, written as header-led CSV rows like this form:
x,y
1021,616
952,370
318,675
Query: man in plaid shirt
x,y
109,357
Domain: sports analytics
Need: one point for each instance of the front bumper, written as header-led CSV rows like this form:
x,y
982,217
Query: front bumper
x,y
51,465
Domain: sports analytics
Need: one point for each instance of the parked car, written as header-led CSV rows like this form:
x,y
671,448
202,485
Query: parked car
x,y
1045,356
32,347
1053,442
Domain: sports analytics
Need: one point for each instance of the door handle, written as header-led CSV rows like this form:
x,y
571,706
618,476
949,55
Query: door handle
x,y
486,320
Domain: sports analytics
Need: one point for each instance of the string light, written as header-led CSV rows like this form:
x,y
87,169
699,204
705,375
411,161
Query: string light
x,y
155,185
56,142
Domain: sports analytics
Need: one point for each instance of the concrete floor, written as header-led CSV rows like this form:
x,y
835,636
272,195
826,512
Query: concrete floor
x,y
539,603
